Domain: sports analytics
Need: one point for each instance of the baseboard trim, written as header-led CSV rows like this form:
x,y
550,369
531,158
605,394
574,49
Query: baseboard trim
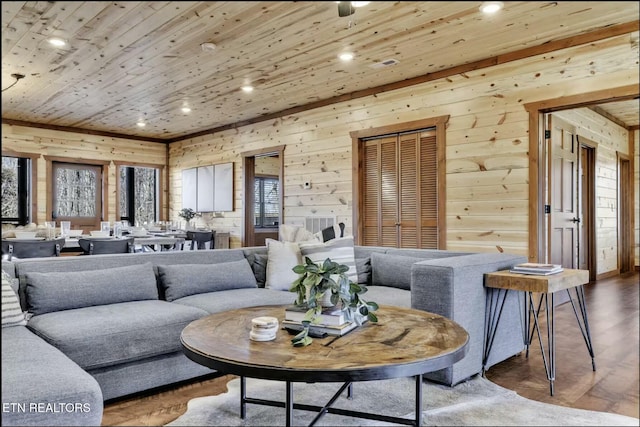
x,y
608,274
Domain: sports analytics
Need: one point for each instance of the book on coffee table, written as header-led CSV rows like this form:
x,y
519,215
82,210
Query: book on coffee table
x,y
334,330
537,269
329,316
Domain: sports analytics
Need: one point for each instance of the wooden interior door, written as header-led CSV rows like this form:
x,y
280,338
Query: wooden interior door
x,y
250,161
585,214
563,242
625,251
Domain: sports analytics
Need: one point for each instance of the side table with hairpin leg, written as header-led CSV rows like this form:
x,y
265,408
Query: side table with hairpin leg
x,y
501,282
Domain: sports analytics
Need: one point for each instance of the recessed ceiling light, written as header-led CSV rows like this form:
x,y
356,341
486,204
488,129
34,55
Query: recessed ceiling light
x,y
491,6
247,88
141,124
346,56
57,42
359,3
186,109
208,47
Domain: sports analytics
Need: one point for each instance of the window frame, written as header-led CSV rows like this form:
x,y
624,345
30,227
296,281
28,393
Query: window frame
x,y
27,206
159,191
26,164
262,179
84,222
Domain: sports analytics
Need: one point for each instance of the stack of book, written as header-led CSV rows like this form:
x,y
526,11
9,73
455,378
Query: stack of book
x,y
537,269
332,321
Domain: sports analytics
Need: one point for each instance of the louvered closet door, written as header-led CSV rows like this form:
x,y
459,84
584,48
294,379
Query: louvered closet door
x,y
428,191
400,191
380,193
408,191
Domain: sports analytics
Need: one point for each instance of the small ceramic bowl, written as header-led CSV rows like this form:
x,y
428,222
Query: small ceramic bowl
x,y
98,233
25,234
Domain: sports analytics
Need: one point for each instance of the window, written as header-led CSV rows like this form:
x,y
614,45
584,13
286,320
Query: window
x,y
16,190
139,194
266,206
77,191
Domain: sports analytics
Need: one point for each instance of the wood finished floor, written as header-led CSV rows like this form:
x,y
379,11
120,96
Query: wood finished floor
x,y
612,306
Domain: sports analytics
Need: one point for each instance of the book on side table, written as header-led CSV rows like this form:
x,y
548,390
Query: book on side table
x,y
537,269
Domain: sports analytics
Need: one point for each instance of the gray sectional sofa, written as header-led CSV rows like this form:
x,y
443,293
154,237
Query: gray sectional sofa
x,y
105,326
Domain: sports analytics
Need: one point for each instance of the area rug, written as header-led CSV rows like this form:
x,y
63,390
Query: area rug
x,y
474,402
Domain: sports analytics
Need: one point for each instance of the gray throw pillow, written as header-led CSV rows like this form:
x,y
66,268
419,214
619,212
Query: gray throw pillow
x,y
363,266
182,280
392,270
48,292
259,267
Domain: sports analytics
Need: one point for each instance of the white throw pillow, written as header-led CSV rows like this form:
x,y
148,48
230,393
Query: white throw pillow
x,y
12,314
281,258
294,233
339,250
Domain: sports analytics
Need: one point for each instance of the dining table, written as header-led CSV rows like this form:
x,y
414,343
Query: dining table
x,y
147,243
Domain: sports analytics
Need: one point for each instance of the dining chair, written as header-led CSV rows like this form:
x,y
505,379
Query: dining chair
x,y
106,246
32,248
199,239
330,232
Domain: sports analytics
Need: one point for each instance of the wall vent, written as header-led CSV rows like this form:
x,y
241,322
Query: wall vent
x,y
318,223
385,63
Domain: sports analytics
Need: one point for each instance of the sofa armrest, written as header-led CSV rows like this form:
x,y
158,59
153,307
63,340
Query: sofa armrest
x,y
446,286
454,287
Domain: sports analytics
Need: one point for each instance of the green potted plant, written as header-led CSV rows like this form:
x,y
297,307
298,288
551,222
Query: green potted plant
x,y
325,284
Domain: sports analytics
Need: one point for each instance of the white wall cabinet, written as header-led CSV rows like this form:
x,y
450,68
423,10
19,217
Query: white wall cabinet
x,y
208,188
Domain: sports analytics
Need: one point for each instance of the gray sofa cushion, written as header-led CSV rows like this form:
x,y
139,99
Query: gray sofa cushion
x,y
36,373
106,335
385,295
179,281
392,270
215,302
47,292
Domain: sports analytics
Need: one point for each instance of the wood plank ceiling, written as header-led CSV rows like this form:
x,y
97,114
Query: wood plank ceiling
x,y
129,61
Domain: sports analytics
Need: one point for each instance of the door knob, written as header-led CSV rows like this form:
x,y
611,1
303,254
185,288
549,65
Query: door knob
x,y
575,220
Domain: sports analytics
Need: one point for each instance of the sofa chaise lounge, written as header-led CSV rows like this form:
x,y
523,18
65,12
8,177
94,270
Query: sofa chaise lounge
x,y
106,326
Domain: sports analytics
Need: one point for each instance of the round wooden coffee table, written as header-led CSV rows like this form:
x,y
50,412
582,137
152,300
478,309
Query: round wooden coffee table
x,y
403,343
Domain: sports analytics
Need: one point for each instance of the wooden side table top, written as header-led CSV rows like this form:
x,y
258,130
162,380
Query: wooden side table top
x,y
566,279
404,342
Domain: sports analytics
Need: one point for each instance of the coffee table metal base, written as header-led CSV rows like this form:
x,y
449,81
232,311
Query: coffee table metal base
x,y
289,405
